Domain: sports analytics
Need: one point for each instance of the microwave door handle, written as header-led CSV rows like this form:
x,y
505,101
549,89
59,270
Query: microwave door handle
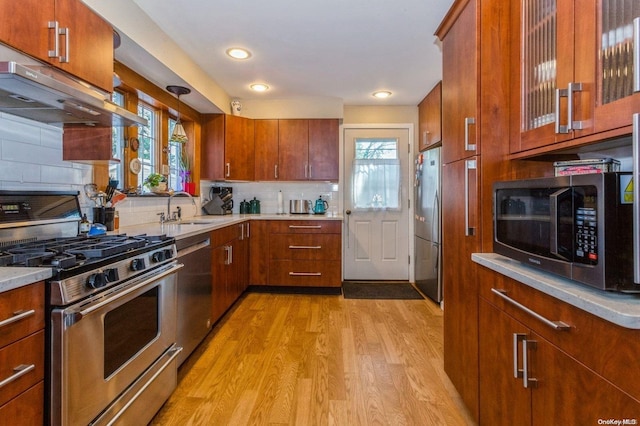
x,y
553,221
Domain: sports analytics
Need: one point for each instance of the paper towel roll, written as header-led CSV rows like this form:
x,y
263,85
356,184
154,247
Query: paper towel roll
x,y
280,203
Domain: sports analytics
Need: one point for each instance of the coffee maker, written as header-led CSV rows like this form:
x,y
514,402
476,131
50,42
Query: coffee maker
x,y
220,201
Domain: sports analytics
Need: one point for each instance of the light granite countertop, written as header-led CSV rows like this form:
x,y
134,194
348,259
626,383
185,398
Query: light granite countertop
x,y
618,308
14,277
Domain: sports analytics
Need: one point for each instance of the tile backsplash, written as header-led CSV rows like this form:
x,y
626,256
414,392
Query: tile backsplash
x,y
31,160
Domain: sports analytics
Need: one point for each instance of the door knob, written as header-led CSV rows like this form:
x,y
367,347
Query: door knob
x,y
348,211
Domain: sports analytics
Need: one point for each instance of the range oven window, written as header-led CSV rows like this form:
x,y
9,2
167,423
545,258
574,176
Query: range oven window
x,y
129,328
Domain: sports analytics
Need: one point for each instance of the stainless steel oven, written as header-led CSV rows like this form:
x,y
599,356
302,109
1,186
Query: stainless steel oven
x,y
108,349
111,350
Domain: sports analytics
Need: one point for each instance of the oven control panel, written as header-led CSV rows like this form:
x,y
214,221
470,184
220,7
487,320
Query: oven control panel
x,y
72,289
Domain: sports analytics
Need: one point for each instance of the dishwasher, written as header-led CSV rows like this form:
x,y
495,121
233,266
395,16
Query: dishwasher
x,y
194,292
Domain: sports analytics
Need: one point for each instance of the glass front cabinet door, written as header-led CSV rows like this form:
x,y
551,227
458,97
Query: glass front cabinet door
x,y
576,69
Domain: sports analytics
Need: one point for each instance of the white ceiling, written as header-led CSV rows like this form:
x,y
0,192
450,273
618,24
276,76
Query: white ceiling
x,y
343,49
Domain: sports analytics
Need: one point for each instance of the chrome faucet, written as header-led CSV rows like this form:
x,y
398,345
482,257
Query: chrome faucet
x,y
177,215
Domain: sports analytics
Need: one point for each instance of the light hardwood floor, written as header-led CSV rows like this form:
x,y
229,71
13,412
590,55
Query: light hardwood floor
x,y
318,360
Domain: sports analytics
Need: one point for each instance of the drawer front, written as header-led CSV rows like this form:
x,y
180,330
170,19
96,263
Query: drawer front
x,y
24,361
305,273
602,346
224,235
305,247
26,409
305,227
21,312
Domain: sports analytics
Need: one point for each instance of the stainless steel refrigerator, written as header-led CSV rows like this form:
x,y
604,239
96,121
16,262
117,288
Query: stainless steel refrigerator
x,y
427,224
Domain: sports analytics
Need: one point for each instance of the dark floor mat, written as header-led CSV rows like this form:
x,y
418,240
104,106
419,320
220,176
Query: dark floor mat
x,y
379,290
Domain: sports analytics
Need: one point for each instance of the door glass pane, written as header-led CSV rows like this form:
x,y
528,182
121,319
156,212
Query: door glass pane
x,y
538,63
376,174
616,50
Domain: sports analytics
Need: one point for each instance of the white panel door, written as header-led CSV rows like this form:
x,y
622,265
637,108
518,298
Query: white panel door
x,y
376,163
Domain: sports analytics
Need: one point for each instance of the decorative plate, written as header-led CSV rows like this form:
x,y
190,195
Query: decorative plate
x,y
135,166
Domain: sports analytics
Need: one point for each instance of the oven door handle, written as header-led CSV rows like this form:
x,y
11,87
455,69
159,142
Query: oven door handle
x,y
154,277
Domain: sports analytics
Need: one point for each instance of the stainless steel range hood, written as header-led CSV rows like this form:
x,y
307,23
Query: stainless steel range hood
x,y
46,95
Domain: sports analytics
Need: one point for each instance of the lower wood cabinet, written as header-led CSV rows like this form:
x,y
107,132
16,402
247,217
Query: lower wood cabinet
x,y
229,266
305,253
532,373
22,355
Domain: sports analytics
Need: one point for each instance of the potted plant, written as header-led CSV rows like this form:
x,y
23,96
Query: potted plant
x,y
156,182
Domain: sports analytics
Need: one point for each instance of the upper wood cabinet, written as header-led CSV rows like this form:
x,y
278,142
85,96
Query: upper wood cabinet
x,y
308,149
228,150
460,87
65,33
266,149
576,76
430,118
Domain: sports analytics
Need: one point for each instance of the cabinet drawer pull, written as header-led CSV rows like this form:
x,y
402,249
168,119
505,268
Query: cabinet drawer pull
x,y
305,274
306,247
17,316
305,227
557,325
20,371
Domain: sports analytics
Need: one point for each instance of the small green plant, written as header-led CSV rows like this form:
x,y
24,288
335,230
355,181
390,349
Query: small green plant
x,y
154,179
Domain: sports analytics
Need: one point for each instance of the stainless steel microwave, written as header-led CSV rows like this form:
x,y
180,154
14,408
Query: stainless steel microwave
x,y
579,227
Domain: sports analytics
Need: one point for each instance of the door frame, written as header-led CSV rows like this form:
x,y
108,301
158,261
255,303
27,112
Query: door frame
x,y
410,127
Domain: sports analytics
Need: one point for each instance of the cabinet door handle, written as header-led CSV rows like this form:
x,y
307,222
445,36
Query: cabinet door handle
x,y
306,172
228,259
228,165
571,89
20,371
53,25
248,231
17,316
560,93
528,382
305,227
469,165
64,59
517,338
467,122
305,247
636,195
275,171
556,325
305,274
636,55
310,171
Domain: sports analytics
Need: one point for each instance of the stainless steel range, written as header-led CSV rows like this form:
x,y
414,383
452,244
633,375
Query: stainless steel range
x,y
111,328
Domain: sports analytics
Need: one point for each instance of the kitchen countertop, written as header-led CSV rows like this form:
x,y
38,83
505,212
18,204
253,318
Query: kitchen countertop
x,y
14,277
618,308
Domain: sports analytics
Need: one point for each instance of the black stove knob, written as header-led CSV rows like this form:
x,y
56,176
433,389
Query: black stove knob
x,y
112,275
168,254
137,264
97,280
157,257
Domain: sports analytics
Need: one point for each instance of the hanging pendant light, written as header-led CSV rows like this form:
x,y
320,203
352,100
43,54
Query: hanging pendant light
x,y
178,135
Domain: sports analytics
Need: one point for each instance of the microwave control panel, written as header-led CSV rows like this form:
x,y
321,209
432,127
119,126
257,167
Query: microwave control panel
x,y
586,249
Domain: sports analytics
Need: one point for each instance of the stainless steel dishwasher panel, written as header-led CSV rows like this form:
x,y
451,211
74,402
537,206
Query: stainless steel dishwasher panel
x,y
194,293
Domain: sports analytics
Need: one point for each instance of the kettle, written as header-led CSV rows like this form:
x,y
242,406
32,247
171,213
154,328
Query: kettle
x,y
321,206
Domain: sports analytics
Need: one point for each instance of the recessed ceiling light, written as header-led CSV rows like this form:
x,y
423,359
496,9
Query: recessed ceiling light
x,y
259,87
238,53
381,94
